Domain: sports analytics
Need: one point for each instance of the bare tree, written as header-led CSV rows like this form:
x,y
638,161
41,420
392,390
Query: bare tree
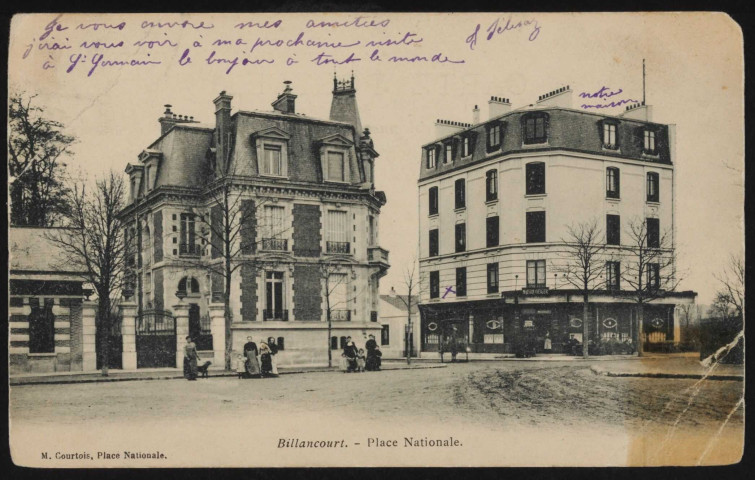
x,y
732,280
334,277
94,243
583,266
35,173
411,281
649,269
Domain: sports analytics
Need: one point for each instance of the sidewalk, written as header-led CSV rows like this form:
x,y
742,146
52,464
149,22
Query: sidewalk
x,y
173,373
673,367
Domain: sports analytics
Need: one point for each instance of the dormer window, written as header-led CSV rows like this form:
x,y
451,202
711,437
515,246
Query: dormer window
x,y
494,136
336,167
466,146
610,139
148,178
272,160
336,155
648,145
448,149
431,157
535,128
272,152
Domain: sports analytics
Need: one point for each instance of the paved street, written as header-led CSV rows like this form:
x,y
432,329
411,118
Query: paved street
x,y
477,399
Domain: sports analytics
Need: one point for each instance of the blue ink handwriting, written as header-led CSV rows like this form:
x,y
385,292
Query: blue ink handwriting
x,y
498,28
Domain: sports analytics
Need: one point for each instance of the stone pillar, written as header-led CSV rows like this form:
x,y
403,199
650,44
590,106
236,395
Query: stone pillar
x,y
89,330
128,334
217,329
181,315
677,319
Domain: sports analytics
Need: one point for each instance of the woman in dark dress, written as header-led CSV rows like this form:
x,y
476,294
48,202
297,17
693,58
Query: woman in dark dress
x,y
266,360
373,354
350,352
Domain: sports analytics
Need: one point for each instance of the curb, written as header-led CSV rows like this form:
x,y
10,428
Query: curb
x,y
180,376
693,376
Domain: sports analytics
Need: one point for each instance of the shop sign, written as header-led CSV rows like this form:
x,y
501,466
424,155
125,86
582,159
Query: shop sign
x,y
657,322
529,324
493,324
536,291
610,323
575,322
432,326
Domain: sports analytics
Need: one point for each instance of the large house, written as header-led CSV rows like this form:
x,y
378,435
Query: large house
x,y
496,198
298,198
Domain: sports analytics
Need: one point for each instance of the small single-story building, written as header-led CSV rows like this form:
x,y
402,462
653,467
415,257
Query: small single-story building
x,y
394,319
51,326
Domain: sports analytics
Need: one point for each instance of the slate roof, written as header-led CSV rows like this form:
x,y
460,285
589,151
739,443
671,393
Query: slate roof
x,y
397,302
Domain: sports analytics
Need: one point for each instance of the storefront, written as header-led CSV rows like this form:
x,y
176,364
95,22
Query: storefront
x,y
501,325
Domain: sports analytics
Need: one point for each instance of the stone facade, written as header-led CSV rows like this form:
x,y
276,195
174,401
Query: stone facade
x,y
297,195
496,199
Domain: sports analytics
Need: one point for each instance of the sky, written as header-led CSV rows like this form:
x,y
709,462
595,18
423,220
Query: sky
x,y
111,98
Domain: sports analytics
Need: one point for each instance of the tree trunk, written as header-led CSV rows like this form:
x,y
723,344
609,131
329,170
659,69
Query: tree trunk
x,y
330,350
640,332
585,327
227,320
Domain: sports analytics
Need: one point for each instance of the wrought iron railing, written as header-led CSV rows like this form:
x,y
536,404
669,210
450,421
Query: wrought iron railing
x,y
338,247
280,244
270,315
340,315
156,322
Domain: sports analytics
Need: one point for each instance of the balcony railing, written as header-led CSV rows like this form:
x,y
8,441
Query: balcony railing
x,y
188,249
279,244
273,315
338,247
340,315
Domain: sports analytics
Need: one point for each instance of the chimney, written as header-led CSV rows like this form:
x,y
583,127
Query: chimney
x,y
286,101
497,106
561,97
638,111
444,128
476,115
222,127
344,108
392,293
169,119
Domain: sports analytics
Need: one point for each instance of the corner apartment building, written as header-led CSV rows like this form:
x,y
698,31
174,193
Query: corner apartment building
x,y
495,200
306,211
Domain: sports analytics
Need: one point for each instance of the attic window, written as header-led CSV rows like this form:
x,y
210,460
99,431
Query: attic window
x,y
610,136
272,163
648,145
535,127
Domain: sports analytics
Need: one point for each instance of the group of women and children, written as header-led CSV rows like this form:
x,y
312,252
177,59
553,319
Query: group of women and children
x,y
356,360
258,362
